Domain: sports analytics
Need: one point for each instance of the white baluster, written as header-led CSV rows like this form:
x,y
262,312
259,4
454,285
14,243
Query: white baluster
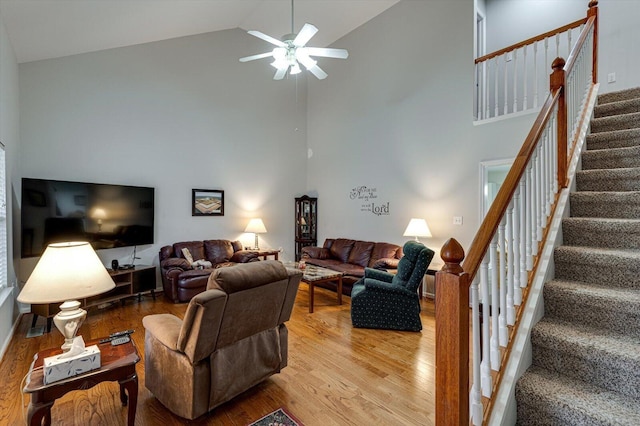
x,y
485,367
529,216
523,235
547,176
525,105
495,303
535,74
503,331
517,224
539,193
475,329
547,65
557,45
554,150
495,87
515,80
485,88
506,89
511,317
535,214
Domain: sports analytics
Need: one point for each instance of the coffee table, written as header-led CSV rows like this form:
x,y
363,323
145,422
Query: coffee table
x,y
118,364
313,275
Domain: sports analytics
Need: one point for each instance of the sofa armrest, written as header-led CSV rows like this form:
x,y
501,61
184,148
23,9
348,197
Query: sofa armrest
x,y
244,256
175,262
386,263
372,284
312,252
165,328
377,275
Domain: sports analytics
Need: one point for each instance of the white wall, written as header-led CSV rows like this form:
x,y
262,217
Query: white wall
x,y
511,21
9,136
619,50
175,115
397,117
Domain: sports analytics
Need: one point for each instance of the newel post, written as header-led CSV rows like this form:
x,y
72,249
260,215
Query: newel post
x,y
452,338
593,11
558,82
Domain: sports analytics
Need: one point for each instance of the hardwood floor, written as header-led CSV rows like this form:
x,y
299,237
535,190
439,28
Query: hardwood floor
x,y
337,375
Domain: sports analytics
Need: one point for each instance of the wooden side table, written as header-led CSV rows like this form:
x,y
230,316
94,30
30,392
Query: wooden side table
x,y
118,364
267,252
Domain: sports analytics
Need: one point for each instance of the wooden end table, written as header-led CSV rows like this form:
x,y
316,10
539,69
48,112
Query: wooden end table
x,y
118,364
313,275
264,253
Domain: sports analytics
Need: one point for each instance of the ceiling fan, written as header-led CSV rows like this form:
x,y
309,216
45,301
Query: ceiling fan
x,y
292,51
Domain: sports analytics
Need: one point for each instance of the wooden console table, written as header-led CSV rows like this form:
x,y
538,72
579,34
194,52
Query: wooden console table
x,y
118,364
129,282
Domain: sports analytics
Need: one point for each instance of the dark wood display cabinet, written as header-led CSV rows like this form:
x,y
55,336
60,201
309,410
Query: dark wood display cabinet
x,y
129,282
306,223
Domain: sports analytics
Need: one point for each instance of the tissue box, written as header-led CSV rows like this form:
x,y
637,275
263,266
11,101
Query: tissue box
x,y
56,368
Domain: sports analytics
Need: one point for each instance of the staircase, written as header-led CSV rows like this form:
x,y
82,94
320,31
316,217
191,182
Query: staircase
x,y
586,348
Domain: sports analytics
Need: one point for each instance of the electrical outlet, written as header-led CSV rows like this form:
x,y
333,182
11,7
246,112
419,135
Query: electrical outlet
x,y
457,220
611,77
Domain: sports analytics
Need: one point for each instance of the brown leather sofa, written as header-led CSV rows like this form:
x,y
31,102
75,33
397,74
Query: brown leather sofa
x,y
232,337
181,281
351,257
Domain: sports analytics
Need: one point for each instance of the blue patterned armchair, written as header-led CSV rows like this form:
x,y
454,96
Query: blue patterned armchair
x,y
383,300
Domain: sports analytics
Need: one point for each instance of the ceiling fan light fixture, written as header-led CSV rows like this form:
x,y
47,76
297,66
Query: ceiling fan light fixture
x,y
292,50
295,69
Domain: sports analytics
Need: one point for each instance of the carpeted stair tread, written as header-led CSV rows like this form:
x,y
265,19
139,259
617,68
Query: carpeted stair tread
x,y
600,307
609,180
618,107
601,232
620,95
605,204
616,122
613,139
607,360
613,158
552,399
613,267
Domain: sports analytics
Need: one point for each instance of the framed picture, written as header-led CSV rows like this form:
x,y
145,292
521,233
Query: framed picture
x,y
207,202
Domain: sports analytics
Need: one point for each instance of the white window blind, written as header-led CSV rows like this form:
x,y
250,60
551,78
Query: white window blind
x,y
3,220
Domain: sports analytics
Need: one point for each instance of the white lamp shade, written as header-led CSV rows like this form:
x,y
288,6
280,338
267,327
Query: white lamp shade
x,y
66,271
256,226
417,228
98,213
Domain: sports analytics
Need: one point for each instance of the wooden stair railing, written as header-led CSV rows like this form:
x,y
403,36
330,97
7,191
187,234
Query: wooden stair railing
x,y
507,245
509,80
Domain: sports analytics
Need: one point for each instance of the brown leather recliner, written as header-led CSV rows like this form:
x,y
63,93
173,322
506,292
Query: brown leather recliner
x,y
232,337
181,281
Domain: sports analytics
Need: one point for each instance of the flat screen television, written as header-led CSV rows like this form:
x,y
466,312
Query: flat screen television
x,y
107,216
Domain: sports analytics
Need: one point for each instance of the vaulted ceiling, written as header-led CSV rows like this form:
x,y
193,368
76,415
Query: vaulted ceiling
x,y
43,29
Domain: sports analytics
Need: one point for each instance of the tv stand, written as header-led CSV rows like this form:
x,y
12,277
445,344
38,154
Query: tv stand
x,y
129,282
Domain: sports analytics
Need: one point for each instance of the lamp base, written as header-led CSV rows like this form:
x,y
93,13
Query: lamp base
x,y
69,320
255,246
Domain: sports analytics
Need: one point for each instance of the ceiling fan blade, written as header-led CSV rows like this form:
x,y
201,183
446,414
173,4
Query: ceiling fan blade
x,y
279,75
318,72
305,35
267,38
327,52
254,57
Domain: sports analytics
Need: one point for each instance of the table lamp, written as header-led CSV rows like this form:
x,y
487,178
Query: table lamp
x,y
417,228
257,227
65,272
99,214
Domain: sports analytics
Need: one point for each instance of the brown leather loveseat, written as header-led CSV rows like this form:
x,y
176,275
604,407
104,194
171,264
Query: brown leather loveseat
x,y
351,257
181,281
233,336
